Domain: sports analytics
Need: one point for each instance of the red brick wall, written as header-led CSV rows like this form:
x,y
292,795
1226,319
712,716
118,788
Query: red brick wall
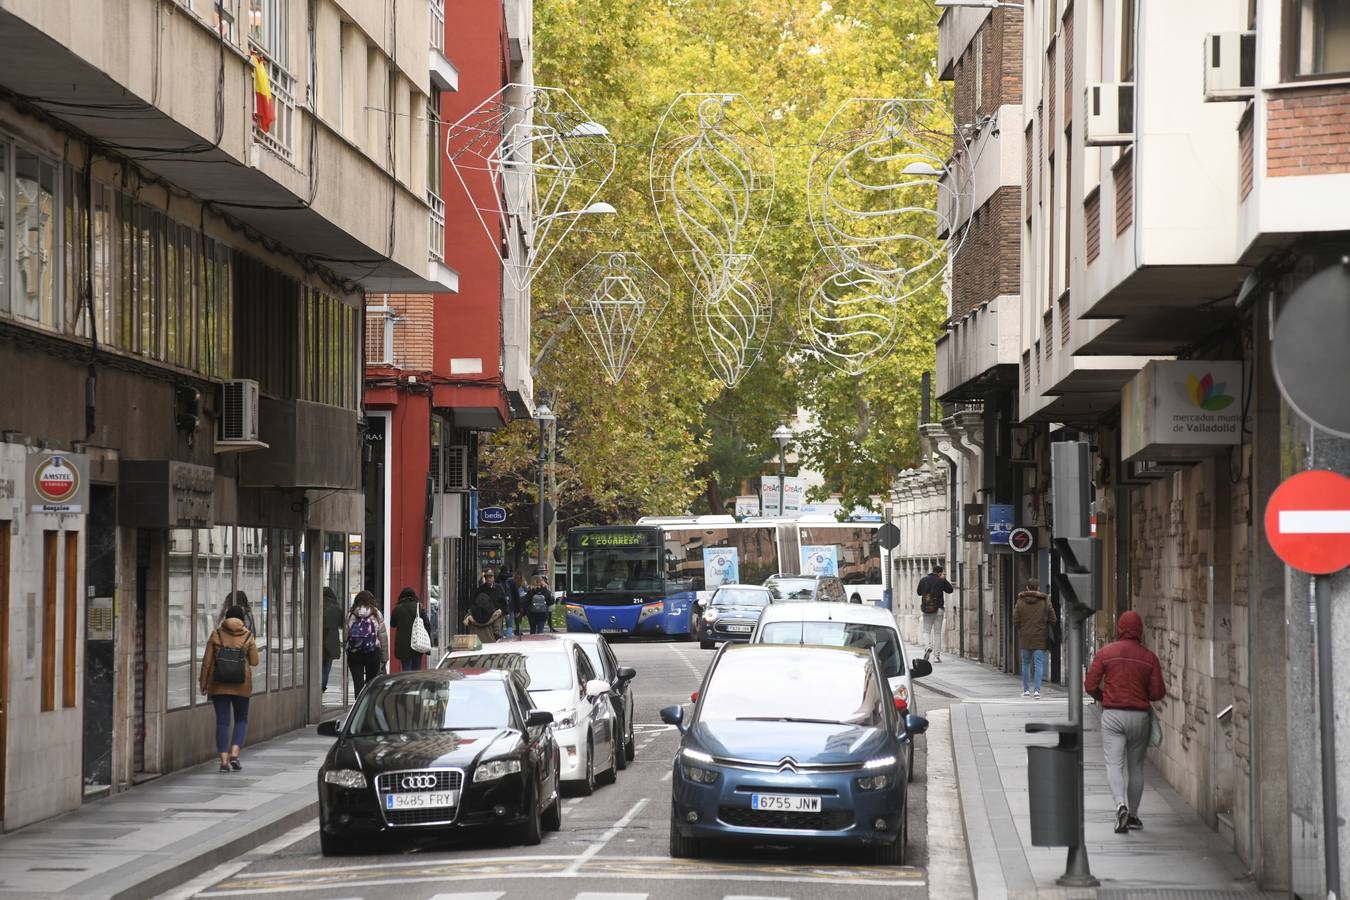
x,y
1002,68
1246,151
1092,224
414,332
1123,173
1308,132
989,261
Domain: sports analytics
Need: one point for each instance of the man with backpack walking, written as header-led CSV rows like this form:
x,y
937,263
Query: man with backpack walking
x,y
367,641
932,602
538,604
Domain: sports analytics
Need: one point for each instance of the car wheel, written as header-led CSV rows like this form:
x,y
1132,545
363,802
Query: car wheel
x,y
893,854
611,774
332,845
587,786
621,754
552,818
682,847
530,833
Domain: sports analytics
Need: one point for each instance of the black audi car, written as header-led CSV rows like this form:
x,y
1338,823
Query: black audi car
x,y
443,749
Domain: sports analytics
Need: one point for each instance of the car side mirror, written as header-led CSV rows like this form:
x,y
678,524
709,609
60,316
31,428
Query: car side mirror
x,y
626,673
920,668
596,687
329,728
538,718
915,724
673,715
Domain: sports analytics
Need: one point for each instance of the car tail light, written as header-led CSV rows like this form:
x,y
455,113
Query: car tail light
x,y
694,697
900,705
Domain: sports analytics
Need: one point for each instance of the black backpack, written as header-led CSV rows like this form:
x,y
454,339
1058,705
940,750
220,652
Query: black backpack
x,y
229,665
538,601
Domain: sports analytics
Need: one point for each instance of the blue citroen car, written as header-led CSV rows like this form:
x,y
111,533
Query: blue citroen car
x,y
792,744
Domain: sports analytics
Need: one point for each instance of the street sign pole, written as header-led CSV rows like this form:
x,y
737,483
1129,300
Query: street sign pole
x,y
1075,581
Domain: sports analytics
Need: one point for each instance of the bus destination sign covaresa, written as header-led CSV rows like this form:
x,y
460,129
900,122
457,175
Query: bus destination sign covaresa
x,y
58,482
616,539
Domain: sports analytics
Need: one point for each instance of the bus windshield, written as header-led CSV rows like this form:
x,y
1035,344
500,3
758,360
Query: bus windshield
x,y
598,570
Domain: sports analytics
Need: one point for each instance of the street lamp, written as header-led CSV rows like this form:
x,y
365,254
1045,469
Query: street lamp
x,y
783,435
922,168
544,415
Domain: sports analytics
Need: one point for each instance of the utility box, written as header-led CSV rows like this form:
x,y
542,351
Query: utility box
x,y
1054,778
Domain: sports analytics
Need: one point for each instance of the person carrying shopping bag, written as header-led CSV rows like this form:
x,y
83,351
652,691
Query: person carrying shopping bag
x,y
227,678
410,646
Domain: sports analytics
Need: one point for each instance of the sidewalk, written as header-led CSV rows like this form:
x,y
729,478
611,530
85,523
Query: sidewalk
x,y
142,842
1176,853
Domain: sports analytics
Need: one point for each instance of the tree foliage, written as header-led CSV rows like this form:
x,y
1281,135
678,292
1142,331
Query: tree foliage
x,y
668,438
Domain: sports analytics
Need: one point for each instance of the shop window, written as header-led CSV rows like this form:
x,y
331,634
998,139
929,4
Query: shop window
x,y
35,255
1316,38
50,549
70,619
215,582
178,645
253,581
295,557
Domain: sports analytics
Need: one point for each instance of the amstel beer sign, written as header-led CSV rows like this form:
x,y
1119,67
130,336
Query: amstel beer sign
x,y
58,482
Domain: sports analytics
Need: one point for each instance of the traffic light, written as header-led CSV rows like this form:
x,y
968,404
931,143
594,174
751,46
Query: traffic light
x,y
1079,578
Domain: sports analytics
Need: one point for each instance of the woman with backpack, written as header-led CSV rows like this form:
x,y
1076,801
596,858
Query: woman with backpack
x,y
538,602
227,678
367,641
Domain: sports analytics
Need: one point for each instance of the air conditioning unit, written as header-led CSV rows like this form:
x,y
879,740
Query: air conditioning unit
x,y
456,460
1110,109
239,411
1230,65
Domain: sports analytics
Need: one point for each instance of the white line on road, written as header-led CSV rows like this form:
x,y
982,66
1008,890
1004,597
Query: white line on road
x,y
687,661
1315,521
225,870
605,838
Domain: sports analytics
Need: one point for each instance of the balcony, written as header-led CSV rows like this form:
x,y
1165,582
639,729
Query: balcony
x,y
436,231
978,354
280,138
444,75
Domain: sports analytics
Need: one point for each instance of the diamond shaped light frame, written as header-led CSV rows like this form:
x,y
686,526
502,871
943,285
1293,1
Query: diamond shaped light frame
x,y
615,300
529,158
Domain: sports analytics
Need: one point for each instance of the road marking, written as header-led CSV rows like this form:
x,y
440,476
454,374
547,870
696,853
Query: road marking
x,y
687,661
228,869
1315,521
594,849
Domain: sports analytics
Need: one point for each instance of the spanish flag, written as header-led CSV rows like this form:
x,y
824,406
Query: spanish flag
x,y
264,109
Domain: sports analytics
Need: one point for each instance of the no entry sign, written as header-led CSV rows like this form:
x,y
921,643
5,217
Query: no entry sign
x,y
1308,522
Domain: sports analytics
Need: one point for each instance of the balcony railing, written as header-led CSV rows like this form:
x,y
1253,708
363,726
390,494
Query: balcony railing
x,y
437,24
280,139
380,322
436,231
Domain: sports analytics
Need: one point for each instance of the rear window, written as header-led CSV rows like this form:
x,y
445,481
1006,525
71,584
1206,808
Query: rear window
x,y
810,685
841,634
796,589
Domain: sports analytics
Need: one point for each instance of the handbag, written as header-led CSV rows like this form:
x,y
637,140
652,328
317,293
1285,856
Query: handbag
x,y
1155,732
228,665
419,641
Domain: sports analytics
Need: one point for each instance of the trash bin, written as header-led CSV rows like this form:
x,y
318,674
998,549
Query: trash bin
x,y
1052,780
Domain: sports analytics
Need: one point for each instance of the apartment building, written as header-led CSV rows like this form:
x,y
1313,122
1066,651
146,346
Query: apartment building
x,y
195,197
441,369
1184,204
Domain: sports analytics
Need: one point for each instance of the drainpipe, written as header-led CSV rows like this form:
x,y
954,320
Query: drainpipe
x,y
941,443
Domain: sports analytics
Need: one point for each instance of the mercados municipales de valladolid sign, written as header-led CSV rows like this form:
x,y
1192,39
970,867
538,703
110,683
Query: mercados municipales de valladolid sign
x,y
1174,409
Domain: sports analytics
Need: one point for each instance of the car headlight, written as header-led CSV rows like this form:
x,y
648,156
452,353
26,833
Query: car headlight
x,y
873,782
346,778
882,762
564,721
696,755
494,769
710,617
650,610
698,775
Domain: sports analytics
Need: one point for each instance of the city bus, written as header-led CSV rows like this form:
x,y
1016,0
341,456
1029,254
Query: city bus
x,y
644,579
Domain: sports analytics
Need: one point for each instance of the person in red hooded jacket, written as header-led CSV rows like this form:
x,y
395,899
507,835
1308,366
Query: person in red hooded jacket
x,y
1125,678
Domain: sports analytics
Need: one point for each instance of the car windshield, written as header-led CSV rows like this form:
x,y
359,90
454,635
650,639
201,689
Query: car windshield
x,y
740,597
547,671
841,634
793,589
424,704
809,685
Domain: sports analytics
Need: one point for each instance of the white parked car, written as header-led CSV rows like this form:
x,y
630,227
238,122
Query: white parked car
x,y
560,679
848,625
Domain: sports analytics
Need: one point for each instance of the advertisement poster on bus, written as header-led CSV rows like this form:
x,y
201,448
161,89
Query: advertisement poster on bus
x,y
721,565
770,496
820,559
794,496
